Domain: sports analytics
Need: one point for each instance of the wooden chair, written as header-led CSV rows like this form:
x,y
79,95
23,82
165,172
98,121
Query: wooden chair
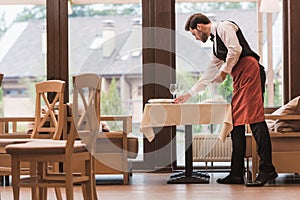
x,y
6,122
120,151
45,125
43,152
9,127
9,132
114,148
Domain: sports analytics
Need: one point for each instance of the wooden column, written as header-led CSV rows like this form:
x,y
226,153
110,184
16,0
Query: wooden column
x,y
57,42
285,62
291,48
158,73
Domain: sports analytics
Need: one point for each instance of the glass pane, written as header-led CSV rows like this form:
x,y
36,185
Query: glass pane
x,y
106,39
22,57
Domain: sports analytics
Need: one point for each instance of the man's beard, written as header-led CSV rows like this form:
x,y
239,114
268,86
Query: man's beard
x,y
204,38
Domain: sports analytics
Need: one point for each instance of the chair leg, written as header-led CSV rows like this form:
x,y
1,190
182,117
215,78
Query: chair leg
x,y
42,193
88,188
93,178
58,193
35,193
15,176
91,191
69,180
94,188
125,178
33,172
69,191
88,191
84,192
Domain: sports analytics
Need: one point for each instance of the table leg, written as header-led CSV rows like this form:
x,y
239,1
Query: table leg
x,y
188,176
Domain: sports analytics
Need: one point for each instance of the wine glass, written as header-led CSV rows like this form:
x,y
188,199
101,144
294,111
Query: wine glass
x,y
173,89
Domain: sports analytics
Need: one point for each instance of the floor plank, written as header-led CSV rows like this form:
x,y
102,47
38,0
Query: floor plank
x,y
151,186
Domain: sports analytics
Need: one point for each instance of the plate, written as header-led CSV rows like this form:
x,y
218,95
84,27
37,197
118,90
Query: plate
x,y
161,100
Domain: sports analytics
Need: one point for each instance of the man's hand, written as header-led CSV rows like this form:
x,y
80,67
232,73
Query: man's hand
x,y
182,98
219,78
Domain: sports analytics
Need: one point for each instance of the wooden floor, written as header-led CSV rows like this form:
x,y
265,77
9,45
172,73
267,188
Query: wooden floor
x,y
152,186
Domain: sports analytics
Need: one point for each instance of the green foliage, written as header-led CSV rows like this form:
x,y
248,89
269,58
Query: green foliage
x,y
81,10
29,84
39,12
230,5
266,97
29,13
226,89
111,103
186,80
278,101
3,26
105,10
1,94
277,94
204,7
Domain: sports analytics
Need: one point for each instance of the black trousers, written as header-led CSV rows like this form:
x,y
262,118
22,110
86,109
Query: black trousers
x,y
264,148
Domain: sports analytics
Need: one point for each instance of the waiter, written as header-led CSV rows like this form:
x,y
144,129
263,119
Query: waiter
x,y
233,55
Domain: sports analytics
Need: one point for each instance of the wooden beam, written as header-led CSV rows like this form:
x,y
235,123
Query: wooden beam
x,y
159,72
285,62
293,46
57,42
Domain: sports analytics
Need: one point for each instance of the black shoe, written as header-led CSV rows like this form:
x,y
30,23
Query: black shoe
x,y
231,180
262,179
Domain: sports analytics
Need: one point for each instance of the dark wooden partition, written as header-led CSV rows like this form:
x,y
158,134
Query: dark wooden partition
x,y
57,42
158,73
291,62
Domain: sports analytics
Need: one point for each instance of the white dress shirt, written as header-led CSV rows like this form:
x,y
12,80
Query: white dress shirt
x,y
227,32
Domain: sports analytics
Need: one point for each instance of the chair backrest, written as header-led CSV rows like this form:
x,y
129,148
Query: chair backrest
x,y
98,92
49,115
86,87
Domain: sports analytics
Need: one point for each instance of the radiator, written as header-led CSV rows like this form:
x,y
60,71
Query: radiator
x,y
208,148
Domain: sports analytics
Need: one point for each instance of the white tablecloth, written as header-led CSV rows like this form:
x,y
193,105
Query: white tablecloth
x,y
160,115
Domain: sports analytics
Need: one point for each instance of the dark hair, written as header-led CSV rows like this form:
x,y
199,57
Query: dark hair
x,y
195,19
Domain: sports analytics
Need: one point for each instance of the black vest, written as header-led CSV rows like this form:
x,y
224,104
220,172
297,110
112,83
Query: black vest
x,y
222,50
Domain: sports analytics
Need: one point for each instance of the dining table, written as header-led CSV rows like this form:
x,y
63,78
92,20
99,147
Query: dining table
x,y
171,114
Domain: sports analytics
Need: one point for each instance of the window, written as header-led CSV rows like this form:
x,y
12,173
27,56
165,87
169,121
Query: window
x,y
106,39
22,56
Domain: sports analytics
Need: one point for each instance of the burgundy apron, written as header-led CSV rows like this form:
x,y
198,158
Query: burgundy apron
x,y
247,103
